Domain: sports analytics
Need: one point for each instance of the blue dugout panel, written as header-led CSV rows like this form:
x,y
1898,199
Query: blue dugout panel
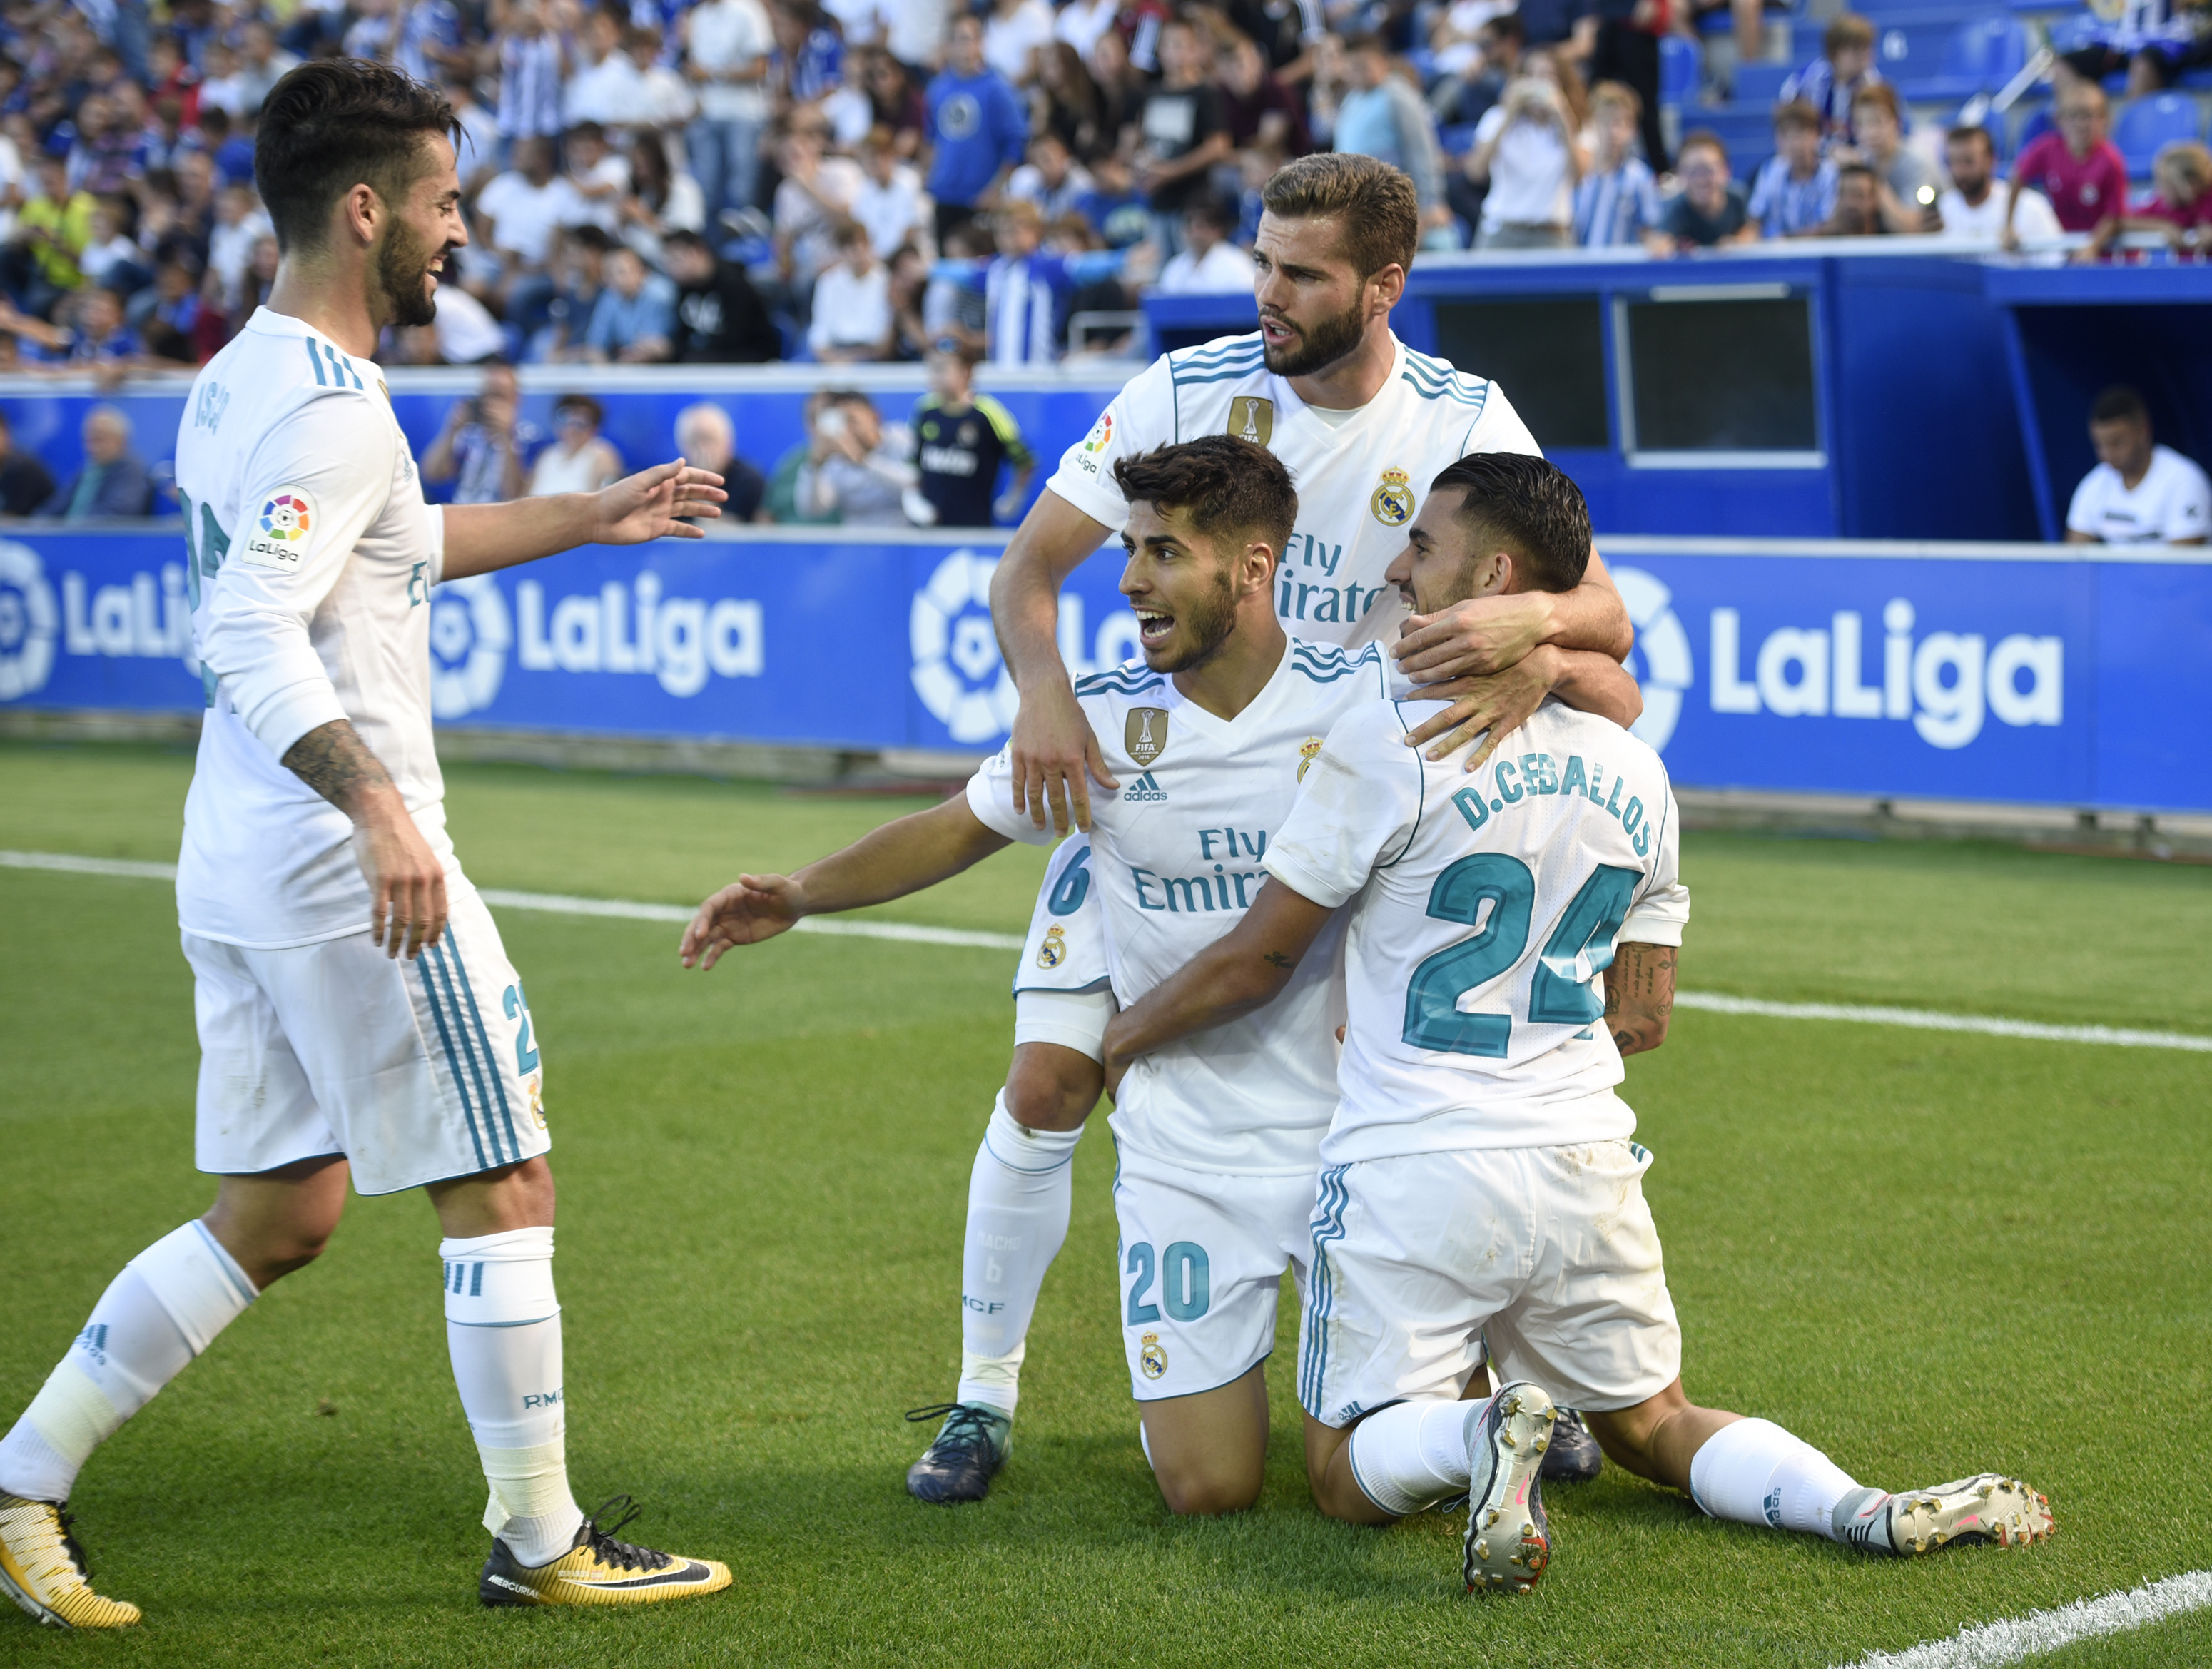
x,y
2028,674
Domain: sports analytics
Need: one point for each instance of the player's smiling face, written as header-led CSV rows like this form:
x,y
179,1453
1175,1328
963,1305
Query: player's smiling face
x,y
1182,588
1314,307
424,228
1440,565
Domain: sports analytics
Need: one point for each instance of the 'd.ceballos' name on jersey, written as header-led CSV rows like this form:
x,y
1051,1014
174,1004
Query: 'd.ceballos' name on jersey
x,y
1176,859
1360,475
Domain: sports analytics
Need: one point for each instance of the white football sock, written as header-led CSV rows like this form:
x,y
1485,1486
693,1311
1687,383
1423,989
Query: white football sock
x,y
1753,1471
1019,1196
1411,1456
166,1306
504,1332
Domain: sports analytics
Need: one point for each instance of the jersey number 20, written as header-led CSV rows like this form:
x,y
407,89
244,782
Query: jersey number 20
x,y
1556,996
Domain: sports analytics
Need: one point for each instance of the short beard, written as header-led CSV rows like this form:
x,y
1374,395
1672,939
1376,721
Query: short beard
x,y
1209,621
400,266
1319,348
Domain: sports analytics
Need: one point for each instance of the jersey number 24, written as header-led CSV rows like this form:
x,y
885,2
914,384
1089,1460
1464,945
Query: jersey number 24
x,y
1556,996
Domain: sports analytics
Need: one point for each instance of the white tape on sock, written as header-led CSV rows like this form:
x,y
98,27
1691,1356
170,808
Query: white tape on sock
x,y
500,1280
69,1418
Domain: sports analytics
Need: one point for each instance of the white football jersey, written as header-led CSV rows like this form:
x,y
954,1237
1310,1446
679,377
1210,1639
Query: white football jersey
x,y
1359,481
311,556
1176,859
1487,908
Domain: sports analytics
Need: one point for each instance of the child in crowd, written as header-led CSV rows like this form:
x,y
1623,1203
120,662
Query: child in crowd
x,y
1794,193
1711,209
2077,167
1025,292
1909,182
963,440
1831,82
1113,204
852,302
1617,199
2180,206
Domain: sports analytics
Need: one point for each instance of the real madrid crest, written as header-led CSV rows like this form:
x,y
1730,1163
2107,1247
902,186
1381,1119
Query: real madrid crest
x,y
1150,1358
1307,751
1053,951
1393,503
1145,734
1251,418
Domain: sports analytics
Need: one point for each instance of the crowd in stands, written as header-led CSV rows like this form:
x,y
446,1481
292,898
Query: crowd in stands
x,y
848,181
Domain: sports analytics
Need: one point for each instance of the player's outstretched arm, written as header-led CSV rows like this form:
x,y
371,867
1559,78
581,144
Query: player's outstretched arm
x,y
649,505
1055,756
1244,969
1488,633
902,856
1501,702
1639,995
406,882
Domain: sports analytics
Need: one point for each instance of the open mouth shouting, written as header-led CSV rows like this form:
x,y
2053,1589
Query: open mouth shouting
x,y
1154,628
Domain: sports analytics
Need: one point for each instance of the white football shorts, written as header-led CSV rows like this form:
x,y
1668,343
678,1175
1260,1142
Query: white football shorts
x,y
1062,991
1551,1251
414,1071
1201,1259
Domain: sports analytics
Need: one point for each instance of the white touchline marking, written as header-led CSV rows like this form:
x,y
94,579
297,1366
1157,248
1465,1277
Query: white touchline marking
x,y
1711,1002
1990,1644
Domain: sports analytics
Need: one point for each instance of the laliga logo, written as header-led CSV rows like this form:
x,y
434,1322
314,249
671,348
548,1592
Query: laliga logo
x,y
470,635
957,670
1660,660
28,622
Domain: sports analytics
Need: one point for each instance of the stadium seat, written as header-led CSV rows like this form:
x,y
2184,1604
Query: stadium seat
x,y
1933,58
1761,83
2149,123
1680,68
2033,126
1748,130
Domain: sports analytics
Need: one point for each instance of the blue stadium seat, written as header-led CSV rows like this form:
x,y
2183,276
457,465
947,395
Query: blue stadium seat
x,y
1987,54
2148,124
1680,68
1761,83
1458,139
1932,58
1748,130
2070,34
2033,126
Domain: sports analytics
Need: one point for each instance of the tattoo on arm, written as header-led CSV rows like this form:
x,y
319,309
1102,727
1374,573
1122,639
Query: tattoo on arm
x,y
333,760
1277,959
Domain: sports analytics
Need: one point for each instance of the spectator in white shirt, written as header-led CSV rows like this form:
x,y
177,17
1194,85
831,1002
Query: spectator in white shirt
x,y
1523,149
891,202
2140,493
1209,265
852,302
603,80
730,43
815,193
1050,178
1011,33
1973,209
519,212
601,177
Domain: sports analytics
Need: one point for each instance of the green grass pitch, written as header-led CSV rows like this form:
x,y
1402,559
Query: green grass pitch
x,y
1928,1253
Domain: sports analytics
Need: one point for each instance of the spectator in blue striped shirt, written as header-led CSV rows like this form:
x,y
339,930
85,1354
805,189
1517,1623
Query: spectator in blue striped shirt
x,y
1830,82
1617,198
531,62
809,52
1794,193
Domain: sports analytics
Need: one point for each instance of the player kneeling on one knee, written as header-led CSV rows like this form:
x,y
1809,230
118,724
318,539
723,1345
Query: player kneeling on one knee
x,y
1508,936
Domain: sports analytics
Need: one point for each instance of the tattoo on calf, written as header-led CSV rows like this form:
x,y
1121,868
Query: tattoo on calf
x,y
333,760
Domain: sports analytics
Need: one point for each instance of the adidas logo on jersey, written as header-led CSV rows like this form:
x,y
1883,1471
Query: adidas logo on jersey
x,y
1145,787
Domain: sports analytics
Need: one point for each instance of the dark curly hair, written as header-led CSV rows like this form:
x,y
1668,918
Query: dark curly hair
x,y
1230,490
334,124
1527,507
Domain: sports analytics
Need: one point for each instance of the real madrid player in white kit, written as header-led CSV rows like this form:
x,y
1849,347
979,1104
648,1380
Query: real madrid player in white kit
x,y
1510,936
1216,1142
356,1013
1363,422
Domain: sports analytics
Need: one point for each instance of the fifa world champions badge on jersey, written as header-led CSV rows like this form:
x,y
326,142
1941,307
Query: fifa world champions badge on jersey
x,y
1053,951
1151,1357
1252,418
1307,749
279,534
1145,734
1393,503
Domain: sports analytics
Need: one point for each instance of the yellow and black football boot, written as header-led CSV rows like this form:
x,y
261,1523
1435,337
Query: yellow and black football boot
x,y
599,1570
43,1570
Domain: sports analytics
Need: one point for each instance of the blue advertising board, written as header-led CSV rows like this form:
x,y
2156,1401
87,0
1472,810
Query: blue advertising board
x,y
2027,674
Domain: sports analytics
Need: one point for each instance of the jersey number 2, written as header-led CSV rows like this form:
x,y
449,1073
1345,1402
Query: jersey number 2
x,y
1556,996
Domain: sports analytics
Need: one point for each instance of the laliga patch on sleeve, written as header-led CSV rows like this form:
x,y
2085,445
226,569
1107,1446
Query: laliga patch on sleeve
x,y
280,534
